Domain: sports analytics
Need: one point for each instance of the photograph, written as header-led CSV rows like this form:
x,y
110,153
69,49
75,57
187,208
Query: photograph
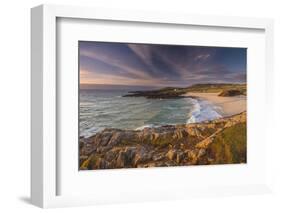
x,y
161,105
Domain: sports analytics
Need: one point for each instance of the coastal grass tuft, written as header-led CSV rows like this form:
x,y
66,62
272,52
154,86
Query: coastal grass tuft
x,y
229,146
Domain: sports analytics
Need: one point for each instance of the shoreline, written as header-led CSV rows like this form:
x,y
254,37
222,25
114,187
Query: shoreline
x,y
229,105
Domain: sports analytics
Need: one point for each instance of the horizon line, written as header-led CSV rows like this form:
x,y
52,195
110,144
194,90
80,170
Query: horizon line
x,y
160,85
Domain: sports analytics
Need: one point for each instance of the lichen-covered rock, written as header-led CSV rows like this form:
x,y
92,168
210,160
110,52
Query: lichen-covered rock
x,y
211,142
231,92
180,156
159,156
142,156
171,154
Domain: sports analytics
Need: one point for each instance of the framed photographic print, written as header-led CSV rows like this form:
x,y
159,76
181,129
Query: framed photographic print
x,y
149,106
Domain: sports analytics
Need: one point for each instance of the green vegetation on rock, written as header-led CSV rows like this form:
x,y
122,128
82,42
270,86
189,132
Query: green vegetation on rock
x,y
229,146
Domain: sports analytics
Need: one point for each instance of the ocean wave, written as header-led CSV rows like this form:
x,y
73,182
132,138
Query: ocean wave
x,y
202,111
90,132
138,114
146,126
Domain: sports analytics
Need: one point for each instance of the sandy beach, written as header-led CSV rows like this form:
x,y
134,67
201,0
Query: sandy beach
x,y
229,105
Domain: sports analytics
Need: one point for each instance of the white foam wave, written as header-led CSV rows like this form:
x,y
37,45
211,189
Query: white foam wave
x,y
90,132
203,111
146,126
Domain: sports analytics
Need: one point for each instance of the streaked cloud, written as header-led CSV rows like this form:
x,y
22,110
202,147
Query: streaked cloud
x,y
202,57
159,65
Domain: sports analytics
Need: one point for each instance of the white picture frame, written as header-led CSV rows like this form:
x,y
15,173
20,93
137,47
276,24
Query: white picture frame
x,y
44,153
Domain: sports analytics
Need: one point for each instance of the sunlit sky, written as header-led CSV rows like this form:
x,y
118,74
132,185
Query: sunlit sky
x,y
159,65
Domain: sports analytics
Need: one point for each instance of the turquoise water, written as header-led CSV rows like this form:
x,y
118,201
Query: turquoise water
x,y
101,109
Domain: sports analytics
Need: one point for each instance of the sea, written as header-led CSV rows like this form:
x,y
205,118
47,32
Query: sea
x,y
107,108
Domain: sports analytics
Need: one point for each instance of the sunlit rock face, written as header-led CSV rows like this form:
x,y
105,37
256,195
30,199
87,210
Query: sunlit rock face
x,y
220,141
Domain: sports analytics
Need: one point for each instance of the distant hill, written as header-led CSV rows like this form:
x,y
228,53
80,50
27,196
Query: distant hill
x,y
177,92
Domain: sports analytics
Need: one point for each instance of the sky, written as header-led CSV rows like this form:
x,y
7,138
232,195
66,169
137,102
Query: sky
x,y
159,65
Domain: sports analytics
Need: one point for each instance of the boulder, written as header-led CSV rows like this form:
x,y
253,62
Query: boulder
x,y
159,156
171,154
231,92
180,156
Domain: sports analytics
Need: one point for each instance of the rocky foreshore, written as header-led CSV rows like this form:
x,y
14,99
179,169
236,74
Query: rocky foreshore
x,y
221,141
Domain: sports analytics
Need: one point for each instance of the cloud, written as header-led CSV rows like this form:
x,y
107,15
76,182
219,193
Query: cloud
x,y
154,59
202,57
167,65
236,77
89,77
113,61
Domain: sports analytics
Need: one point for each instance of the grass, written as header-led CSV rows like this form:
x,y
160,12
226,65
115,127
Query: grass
x,y
172,92
229,146
215,88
